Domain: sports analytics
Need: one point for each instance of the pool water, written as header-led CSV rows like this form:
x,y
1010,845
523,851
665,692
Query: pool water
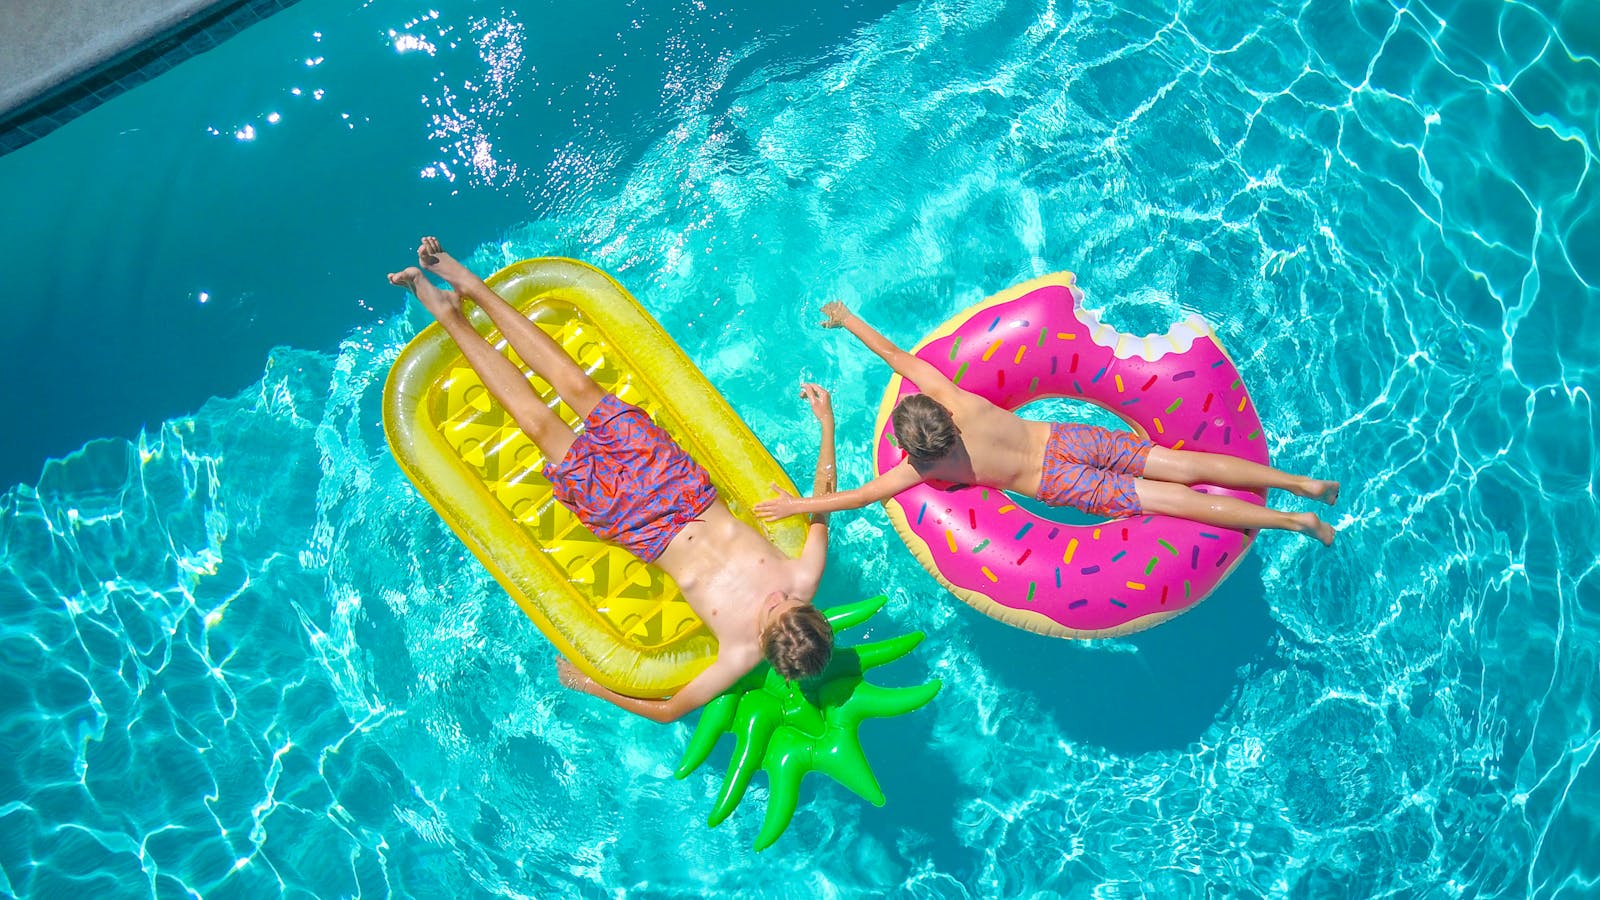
x,y
240,657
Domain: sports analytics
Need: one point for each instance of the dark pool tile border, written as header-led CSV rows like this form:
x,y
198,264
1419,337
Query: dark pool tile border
x,y
65,102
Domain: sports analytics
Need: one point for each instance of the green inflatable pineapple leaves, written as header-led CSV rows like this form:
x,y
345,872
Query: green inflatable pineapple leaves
x,y
791,728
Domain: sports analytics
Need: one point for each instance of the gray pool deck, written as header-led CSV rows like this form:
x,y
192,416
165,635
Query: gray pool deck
x,y
60,58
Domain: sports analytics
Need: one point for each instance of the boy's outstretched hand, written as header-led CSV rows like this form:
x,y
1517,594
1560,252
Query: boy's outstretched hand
x,y
777,507
821,401
836,312
822,407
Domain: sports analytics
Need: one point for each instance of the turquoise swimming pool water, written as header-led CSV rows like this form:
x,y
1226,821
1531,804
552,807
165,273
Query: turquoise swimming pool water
x,y
240,657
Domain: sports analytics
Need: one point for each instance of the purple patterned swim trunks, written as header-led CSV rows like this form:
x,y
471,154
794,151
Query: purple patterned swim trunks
x,y
1093,469
628,481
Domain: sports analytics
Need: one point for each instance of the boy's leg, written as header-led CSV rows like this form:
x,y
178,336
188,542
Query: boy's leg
x,y
1189,467
500,375
542,354
1168,499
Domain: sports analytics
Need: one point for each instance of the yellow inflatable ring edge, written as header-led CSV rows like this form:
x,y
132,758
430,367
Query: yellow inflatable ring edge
x,y
621,621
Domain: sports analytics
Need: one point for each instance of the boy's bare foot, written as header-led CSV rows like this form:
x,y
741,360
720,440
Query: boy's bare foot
x,y
1316,489
1308,523
438,302
432,257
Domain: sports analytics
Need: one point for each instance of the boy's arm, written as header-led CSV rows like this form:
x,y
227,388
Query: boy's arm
x,y
881,488
918,371
825,482
826,497
718,677
826,479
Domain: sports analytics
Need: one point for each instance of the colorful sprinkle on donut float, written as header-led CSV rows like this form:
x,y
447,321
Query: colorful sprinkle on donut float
x,y
1036,341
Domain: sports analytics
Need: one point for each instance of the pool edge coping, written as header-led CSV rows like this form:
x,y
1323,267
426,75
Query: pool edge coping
x,y
127,56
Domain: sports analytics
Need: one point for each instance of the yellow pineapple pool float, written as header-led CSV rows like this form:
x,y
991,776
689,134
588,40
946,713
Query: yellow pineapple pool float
x,y
621,621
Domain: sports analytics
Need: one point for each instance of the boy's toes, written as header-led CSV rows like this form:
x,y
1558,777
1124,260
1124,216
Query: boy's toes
x,y
1317,528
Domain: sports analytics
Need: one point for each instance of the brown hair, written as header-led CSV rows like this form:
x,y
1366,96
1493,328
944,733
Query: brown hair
x,y
923,427
799,643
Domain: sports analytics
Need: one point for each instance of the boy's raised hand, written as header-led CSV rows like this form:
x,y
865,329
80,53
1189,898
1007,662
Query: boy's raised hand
x,y
819,398
785,504
777,507
835,313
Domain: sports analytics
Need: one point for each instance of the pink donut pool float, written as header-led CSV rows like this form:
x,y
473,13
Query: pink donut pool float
x,y
1035,341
